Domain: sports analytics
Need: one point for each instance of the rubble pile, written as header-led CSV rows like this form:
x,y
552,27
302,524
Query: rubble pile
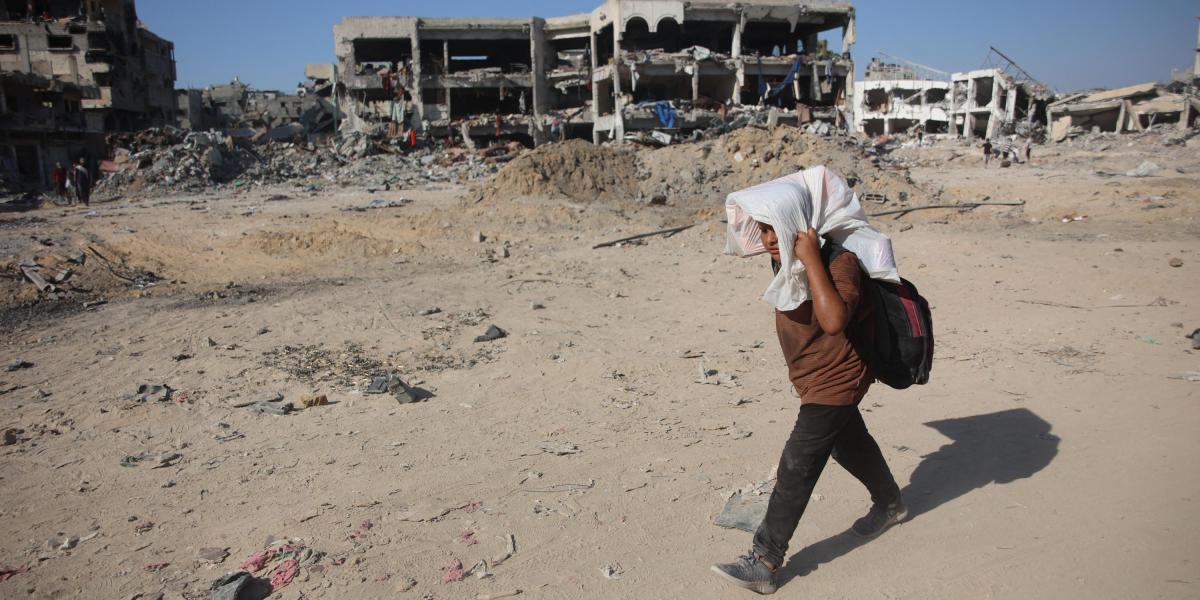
x,y
573,169
695,174
171,160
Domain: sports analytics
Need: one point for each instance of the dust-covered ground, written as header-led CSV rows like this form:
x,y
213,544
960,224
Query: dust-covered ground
x,y
1049,456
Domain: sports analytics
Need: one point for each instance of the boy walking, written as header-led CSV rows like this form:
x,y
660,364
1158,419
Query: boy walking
x,y
822,341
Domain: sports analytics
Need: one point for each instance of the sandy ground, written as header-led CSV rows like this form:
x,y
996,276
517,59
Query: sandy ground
x,y
1048,456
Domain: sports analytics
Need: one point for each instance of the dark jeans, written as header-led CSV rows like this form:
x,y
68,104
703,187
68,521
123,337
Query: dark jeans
x,y
819,432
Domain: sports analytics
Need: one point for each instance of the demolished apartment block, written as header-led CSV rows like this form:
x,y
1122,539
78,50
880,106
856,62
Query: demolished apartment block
x,y
628,66
263,115
42,123
1133,108
99,57
991,102
891,106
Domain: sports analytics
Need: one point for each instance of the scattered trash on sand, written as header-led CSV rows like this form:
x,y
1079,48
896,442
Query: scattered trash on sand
x,y
148,392
612,571
746,507
156,460
492,333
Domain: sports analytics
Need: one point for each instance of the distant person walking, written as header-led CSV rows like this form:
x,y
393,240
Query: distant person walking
x,y
83,182
1027,149
987,152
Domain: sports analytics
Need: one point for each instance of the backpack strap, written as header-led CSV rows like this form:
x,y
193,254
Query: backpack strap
x,y
830,252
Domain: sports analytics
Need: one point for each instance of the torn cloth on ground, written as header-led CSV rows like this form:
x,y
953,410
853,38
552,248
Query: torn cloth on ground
x,y
284,573
816,198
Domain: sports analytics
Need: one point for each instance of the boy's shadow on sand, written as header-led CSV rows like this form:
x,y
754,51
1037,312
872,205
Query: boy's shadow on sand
x,y
998,447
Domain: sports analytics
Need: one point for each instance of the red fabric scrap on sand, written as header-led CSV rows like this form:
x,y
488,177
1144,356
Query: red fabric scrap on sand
x,y
454,572
472,506
258,560
284,574
152,567
7,573
468,537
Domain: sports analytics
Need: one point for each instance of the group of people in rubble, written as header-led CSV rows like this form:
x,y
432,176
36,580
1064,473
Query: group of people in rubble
x,y
1007,150
74,184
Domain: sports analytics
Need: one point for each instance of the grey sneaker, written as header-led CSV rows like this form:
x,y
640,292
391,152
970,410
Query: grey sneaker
x,y
880,517
748,572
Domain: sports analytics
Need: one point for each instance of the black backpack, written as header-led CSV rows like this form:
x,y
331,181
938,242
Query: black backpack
x,y
903,351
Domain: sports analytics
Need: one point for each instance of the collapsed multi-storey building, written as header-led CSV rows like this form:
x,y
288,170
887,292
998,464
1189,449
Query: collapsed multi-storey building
x,y
893,99
988,102
89,63
264,114
628,66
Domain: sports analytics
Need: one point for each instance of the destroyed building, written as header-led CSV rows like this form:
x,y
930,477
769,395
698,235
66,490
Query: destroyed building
x,y
85,58
243,112
889,106
987,103
42,123
628,66
1132,108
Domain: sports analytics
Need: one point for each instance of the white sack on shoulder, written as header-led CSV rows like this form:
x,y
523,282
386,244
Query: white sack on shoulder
x,y
816,198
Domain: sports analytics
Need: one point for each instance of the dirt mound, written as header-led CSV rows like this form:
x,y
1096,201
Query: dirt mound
x,y
704,173
575,169
693,174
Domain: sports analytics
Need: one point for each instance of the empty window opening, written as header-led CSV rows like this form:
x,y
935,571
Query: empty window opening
x,y
877,100
604,45
509,56
433,60
768,38
8,41
937,127
979,126
673,37
577,131
983,91
60,42
718,89
469,102
935,95
873,127
901,125
653,88
785,99
603,93
385,50
575,95
571,53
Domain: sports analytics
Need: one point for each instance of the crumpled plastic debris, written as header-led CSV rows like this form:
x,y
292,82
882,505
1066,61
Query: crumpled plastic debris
x,y
149,392
454,572
284,573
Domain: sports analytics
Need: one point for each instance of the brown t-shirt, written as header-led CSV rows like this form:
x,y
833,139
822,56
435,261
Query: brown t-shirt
x,y
828,369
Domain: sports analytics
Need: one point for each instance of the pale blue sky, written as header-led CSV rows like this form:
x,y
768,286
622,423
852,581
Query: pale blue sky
x,y
1068,44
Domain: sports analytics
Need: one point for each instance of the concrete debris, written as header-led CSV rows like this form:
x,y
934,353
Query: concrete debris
x,y
172,160
492,333
1135,108
1146,169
